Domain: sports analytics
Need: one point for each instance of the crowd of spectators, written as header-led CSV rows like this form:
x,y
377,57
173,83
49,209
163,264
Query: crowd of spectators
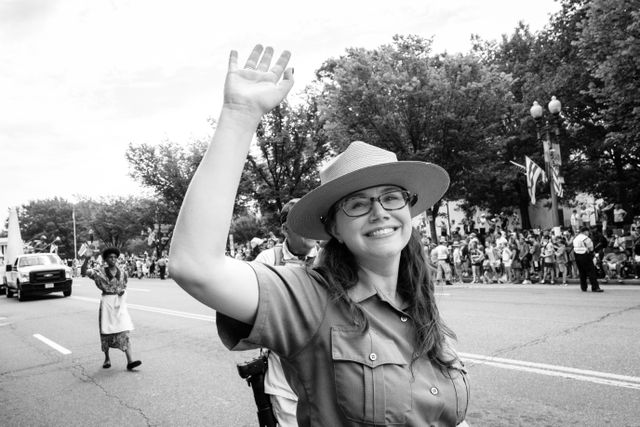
x,y
140,266
501,254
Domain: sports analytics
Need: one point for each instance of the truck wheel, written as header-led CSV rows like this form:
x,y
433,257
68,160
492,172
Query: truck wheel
x,y
67,293
21,296
9,293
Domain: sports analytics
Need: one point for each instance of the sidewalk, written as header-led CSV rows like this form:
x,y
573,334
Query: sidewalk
x,y
636,282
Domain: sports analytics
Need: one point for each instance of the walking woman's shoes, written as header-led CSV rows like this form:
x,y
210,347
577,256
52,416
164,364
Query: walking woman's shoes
x,y
134,364
106,365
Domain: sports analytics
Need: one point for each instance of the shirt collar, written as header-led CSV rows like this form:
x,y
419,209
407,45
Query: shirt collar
x,y
361,293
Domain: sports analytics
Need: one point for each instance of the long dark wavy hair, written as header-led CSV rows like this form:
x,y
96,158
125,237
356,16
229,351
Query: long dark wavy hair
x,y
339,268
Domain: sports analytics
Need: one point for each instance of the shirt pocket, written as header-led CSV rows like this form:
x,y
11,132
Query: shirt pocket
x,y
460,380
372,378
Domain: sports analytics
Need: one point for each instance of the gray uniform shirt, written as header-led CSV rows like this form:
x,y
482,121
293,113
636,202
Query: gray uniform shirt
x,y
344,376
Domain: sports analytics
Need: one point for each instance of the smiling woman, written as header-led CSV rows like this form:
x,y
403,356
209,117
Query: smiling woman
x,y
359,335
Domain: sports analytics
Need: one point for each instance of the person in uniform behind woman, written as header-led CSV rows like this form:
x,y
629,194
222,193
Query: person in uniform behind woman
x,y
359,336
113,316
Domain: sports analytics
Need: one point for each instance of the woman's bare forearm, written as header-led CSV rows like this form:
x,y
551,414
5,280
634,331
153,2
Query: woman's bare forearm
x,y
208,205
198,261
198,247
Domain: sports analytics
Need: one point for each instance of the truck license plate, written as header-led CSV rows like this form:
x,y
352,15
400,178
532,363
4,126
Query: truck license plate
x,y
48,285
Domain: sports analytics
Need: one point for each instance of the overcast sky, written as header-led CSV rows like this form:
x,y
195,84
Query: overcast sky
x,y
80,80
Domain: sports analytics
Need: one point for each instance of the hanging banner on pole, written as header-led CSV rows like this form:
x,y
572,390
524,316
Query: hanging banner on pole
x,y
534,173
556,182
556,159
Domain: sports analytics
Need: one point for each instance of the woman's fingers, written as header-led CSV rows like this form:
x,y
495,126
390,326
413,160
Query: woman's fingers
x,y
256,70
281,64
260,60
233,60
254,57
287,81
265,61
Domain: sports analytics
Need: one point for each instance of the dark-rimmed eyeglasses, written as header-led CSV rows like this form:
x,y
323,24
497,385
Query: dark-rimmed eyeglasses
x,y
390,200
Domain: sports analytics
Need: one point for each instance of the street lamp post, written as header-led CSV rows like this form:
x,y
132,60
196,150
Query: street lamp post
x,y
552,157
75,235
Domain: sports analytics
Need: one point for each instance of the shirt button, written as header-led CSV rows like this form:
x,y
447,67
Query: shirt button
x,y
403,318
434,391
373,357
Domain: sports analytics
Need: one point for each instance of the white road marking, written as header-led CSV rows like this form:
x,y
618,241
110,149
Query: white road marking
x,y
556,371
5,324
538,368
176,313
50,343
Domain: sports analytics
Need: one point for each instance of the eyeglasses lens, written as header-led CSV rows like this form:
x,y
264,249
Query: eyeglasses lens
x,y
392,200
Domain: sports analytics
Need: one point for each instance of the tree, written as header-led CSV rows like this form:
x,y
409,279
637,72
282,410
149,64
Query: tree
x,y
246,227
291,143
108,222
48,218
167,169
609,43
120,220
439,108
588,57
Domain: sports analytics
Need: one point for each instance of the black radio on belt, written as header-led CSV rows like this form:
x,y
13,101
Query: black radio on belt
x,y
253,371
257,366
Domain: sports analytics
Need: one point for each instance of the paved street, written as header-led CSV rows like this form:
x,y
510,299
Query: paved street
x,y
537,356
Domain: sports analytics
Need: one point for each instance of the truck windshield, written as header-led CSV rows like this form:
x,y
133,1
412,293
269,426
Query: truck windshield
x,y
44,259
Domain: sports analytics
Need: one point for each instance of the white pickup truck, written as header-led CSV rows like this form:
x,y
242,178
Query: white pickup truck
x,y
38,274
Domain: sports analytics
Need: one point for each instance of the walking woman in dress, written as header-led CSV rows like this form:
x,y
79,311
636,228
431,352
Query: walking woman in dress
x,y
359,336
113,317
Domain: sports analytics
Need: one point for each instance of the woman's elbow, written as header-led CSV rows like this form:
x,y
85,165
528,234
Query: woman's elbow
x,y
181,272
192,274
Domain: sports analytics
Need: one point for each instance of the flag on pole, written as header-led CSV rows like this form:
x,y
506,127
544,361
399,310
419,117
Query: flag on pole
x,y
83,249
534,173
524,170
152,237
557,185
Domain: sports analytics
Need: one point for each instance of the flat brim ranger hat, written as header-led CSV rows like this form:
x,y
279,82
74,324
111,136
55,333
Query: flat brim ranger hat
x,y
359,167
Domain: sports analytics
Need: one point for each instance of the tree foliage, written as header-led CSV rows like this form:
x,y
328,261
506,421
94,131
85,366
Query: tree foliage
x,y
445,109
291,143
587,56
609,44
117,221
44,220
167,169
108,222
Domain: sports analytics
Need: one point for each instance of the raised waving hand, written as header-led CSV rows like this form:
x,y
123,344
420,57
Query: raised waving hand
x,y
198,261
257,87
